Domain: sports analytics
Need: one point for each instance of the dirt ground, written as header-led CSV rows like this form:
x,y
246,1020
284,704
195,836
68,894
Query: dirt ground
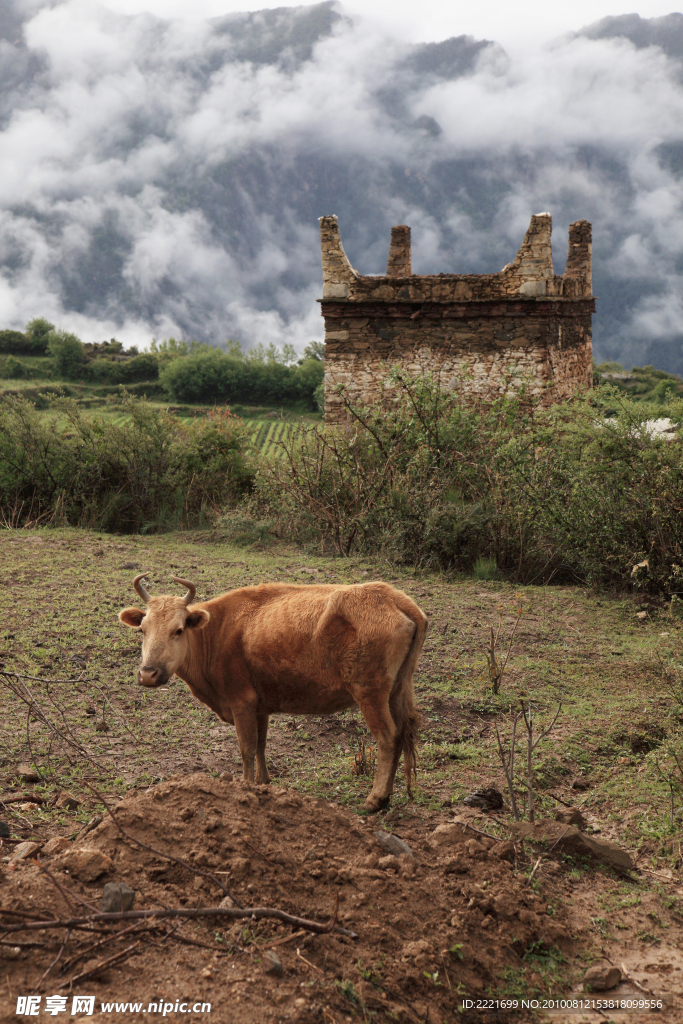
x,y
467,918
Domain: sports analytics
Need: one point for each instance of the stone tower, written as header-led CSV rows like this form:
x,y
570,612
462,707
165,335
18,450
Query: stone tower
x,y
525,321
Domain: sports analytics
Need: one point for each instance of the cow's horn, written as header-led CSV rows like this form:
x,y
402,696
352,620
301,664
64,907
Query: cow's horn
x,y
191,589
139,587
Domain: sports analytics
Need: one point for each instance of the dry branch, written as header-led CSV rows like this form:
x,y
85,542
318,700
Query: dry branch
x,y
230,913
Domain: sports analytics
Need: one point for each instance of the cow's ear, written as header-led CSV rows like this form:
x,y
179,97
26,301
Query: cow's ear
x,y
197,619
131,617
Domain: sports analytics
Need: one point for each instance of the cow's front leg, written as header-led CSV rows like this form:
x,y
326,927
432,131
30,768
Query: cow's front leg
x,y
246,727
262,775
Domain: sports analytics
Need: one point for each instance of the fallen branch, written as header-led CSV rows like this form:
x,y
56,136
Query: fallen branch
x,y
116,958
230,913
18,798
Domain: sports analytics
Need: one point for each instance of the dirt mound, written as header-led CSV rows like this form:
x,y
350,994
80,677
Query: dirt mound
x,y
433,926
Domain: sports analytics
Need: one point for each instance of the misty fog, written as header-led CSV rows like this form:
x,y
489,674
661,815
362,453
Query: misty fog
x,y
165,178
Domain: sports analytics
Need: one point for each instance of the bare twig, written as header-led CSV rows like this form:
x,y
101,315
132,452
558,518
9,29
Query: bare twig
x,y
18,798
509,769
282,941
533,871
231,913
53,963
116,958
318,969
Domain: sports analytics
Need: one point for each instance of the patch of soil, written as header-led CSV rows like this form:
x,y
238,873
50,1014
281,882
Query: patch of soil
x,y
431,928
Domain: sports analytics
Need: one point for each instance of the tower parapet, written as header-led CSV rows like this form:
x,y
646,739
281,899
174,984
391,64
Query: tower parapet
x,y
523,321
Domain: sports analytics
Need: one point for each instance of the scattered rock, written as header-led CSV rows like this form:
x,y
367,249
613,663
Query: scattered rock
x,y
273,963
503,851
568,839
67,802
117,897
24,850
227,902
58,844
388,863
601,978
571,816
28,774
488,798
87,863
449,835
392,844
5,831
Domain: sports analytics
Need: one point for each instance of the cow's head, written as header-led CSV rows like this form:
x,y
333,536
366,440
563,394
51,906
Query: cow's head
x,y
165,626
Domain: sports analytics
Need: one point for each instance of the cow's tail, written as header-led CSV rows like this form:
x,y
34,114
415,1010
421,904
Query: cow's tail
x,y
406,716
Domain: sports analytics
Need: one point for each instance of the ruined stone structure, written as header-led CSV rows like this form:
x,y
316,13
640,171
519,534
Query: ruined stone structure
x,y
490,329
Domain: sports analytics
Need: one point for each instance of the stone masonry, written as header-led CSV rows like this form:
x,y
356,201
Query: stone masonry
x,y
483,333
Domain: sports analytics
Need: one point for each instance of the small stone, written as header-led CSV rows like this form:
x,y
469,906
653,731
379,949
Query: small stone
x,y
5,831
24,850
503,851
227,902
129,565
488,798
117,897
28,774
67,802
388,863
186,813
580,785
58,844
571,816
226,777
392,844
87,863
601,978
273,963
475,849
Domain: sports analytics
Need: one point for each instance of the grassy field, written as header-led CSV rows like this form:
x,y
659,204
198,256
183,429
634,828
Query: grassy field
x,y
614,674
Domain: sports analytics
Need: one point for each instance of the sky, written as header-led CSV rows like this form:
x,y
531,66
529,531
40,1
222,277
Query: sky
x,y
513,25
162,178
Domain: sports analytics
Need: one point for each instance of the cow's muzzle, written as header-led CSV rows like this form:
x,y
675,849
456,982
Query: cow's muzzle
x,y
151,677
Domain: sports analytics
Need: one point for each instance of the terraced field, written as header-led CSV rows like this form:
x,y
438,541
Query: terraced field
x,y
264,435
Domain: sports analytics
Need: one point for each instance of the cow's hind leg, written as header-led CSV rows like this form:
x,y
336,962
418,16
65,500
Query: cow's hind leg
x,y
262,775
383,729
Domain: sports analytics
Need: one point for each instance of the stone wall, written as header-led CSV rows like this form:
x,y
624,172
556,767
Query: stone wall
x,y
493,329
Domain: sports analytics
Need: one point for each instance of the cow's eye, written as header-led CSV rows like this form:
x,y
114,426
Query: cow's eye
x,y
179,632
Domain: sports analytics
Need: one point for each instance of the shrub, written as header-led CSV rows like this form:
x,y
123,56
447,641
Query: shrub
x,y
68,353
14,342
213,376
143,367
150,472
567,493
13,368
38,332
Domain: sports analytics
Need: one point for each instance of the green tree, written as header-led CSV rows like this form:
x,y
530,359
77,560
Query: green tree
x,y
67,351
38,332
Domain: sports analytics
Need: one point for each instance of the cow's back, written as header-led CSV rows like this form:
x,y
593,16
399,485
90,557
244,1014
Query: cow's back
x,y
303,647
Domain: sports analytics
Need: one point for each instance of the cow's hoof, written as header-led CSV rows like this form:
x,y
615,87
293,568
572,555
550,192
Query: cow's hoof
x,y
375,803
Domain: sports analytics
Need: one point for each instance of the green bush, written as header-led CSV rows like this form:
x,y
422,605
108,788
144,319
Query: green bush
x,y
14,342
569,493
68,353
38,332
144,367
13,368
150,472
213,376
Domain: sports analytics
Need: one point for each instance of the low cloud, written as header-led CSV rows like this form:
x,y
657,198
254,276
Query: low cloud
x,y
159,177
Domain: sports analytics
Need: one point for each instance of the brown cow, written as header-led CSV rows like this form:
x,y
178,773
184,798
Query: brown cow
x,y
281,647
